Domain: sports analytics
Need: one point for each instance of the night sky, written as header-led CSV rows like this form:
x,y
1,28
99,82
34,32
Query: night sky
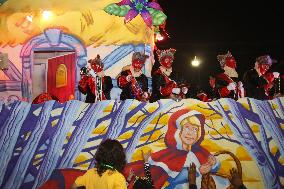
x,y
203,29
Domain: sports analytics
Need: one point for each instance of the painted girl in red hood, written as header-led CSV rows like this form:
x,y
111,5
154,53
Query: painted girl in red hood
x,y
183,138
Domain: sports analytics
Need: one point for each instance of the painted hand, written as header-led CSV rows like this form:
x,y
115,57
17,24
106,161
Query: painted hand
x,y
146,155
235,178
192,174
211,160
205,168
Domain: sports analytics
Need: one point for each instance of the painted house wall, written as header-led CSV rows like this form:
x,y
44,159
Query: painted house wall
x,y
86,29
88,22
21,58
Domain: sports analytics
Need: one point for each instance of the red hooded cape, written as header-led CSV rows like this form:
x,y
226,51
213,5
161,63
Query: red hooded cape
x,y
172,158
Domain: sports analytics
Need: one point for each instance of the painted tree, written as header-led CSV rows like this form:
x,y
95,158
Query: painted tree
x,y
131,146
240,127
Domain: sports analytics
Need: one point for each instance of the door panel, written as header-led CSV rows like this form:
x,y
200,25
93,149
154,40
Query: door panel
x,y
61,77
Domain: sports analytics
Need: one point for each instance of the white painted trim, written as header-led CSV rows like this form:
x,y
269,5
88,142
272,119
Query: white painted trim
x,y
178,139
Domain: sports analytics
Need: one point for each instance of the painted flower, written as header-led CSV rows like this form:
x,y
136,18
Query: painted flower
x,y
140,7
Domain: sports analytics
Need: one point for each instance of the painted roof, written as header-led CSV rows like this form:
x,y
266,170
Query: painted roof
x,y
86,19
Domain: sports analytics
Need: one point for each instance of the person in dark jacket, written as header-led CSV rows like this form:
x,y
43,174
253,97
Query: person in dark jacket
x,y
228,83
258,81
164,87
132,81
94,83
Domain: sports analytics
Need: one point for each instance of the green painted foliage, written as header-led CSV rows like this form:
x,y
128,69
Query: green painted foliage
x,y
158,16
2,2
114,9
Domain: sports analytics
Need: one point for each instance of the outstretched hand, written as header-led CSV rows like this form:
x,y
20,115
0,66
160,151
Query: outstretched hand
x,y
211,160
235,178
192,174
146,155
205,168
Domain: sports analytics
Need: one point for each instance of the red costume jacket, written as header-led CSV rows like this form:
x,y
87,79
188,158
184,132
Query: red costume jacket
x,y
87,86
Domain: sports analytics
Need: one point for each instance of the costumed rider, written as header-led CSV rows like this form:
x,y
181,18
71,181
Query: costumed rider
x,y
213,94
163,85
94,83
132,81
258,81
276,87
227,83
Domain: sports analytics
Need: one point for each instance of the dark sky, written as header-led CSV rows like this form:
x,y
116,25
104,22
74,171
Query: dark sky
x,y
208,28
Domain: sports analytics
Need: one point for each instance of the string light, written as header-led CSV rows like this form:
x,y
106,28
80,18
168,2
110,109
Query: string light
x,y
159,37
195,62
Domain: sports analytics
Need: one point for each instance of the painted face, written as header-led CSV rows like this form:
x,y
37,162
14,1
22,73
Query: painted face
x,y
137,64
97,68
263,68
189,134
231,62
167,62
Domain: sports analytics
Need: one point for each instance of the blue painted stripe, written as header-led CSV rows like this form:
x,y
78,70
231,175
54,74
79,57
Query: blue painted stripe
x,y
118,121
117,55
81,134
1,105
57,141
10,86
54,49
10,133
17,176
268,120
280,106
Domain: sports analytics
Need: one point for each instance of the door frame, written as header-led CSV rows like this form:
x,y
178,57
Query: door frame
x,y
46,64
51,40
